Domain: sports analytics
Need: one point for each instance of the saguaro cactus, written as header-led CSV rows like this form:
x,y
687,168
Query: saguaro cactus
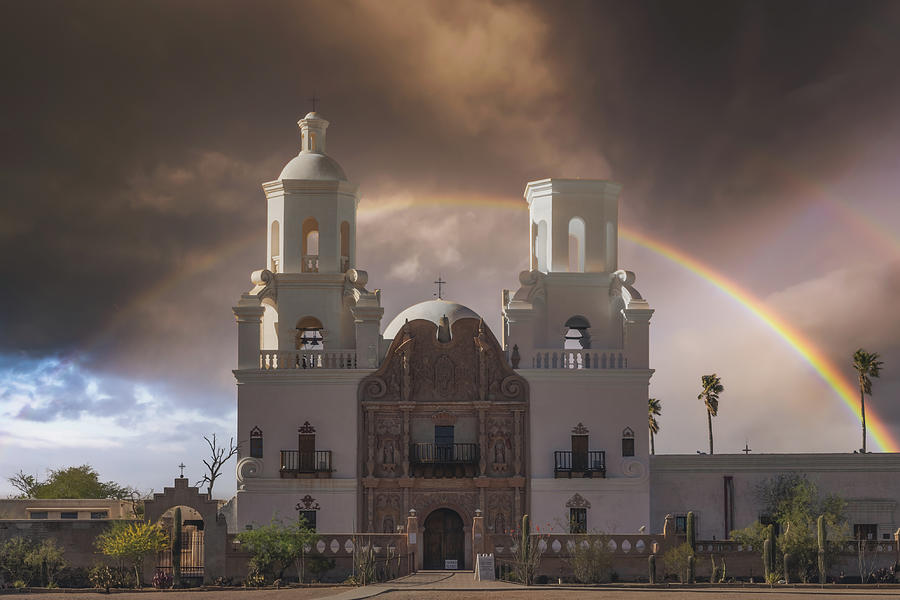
x,y
787,567
821,533
651,564
176,550
692,542
769,556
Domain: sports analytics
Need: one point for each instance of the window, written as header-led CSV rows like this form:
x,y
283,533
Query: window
x,y
310,517
256,443
628,442
577,520
681,524
865,531
576,245
68,514
99,514
37,514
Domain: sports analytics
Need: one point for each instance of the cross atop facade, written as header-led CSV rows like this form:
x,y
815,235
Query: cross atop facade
x,y
181,466
440,282
747,449
314,99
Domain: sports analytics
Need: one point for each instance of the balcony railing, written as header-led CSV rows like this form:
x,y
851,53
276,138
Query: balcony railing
x,y
309,263
294,462
307,359
579,359
449,454
581,464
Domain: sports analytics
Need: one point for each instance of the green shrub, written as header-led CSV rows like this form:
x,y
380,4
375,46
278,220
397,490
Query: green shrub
x,y
678,560
591,559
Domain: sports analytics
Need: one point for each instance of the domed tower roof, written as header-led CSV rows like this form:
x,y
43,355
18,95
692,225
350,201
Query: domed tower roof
x,y
430,310
312,163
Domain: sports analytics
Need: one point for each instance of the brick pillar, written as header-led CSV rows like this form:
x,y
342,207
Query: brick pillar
x,y
412,539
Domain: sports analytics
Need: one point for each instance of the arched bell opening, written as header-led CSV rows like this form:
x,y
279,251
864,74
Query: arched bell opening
x,y
578,335
310,334
310,249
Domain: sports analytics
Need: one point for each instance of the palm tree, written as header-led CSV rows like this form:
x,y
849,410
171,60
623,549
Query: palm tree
x,y
867,365
712,387
654,410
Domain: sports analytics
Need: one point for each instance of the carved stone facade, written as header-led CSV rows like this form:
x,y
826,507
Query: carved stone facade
x,y
430,386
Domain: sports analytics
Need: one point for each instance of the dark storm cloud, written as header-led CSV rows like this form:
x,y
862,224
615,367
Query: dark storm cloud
x,y
136,136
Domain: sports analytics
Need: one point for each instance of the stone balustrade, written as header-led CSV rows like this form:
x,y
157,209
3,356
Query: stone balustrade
x,y
557,358
307,359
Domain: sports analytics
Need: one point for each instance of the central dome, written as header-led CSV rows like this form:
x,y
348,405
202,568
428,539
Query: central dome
x,y
430,310
313,166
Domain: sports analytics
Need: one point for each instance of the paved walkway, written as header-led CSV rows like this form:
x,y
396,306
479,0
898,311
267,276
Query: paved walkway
x,y
425,581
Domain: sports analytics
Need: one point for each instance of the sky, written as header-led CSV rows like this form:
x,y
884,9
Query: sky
x,y
760,139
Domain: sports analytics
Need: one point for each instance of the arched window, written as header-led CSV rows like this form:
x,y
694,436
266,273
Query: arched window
x,y
256,443
576,245
345,246
310,249
275,247
628,442
540,249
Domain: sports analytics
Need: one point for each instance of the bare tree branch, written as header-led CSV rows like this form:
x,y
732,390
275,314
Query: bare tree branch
x,y
218,456
24,483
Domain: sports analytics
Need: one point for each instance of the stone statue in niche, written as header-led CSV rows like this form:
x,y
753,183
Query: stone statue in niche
x,y
499,448
443,376
388,453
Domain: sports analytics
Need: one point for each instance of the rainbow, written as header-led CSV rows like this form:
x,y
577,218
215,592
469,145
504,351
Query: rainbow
x,y
827,370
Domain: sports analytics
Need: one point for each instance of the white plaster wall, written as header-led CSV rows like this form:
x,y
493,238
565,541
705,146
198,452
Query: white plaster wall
x,y
280,402
583,294
605,402
616,506
681,483
262,500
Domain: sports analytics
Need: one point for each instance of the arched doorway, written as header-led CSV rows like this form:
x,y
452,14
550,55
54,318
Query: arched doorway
x,y
191,544
444,540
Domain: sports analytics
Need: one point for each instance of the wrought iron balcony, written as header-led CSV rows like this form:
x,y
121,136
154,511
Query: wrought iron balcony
x,y
305,464
581,464
444,454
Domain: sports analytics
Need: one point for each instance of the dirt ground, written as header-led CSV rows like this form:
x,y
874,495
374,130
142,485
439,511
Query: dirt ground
x,y
507,594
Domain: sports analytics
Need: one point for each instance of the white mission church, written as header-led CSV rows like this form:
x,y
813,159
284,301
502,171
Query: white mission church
x,y
354,422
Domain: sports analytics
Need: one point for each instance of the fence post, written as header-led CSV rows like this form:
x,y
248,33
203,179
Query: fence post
x,y
412,540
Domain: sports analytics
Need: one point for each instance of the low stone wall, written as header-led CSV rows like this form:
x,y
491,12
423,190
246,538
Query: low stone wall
x,y
75,537
630,555
391,554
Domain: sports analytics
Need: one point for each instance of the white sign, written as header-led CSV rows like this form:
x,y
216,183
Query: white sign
x,y
411,538
450,565
484,569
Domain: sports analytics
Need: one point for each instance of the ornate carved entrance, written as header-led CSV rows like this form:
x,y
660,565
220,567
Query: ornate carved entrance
x,y
444,539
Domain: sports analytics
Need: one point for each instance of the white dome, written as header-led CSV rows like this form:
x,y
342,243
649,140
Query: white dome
x,y
431,310
313,166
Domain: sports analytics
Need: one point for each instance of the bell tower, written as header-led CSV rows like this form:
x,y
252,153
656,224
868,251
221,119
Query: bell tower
x,y
312,294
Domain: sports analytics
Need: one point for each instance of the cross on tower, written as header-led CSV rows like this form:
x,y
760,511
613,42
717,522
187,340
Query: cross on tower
x,y
181,466
746,449
314,99
440,282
